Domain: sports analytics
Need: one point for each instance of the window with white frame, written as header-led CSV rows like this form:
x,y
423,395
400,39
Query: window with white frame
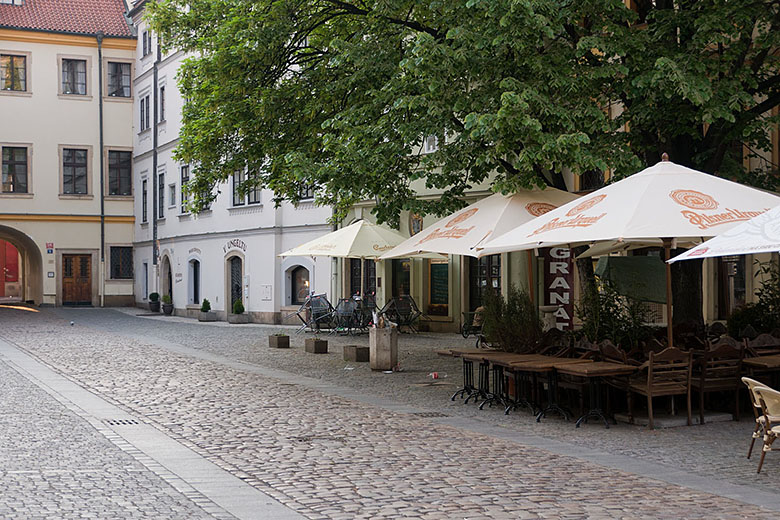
x,y
160,195
120,172
146,42
430,144
118,79
251,194
75,171
306,191
171,195
13,72
144,125
185,179
74,77
161,99
15,169
144,201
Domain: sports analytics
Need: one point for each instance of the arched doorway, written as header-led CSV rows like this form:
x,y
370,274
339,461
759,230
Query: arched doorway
x,y
27,271
300,285
166,277
236,273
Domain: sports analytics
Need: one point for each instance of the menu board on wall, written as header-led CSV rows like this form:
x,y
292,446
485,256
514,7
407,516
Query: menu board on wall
x,y
440,286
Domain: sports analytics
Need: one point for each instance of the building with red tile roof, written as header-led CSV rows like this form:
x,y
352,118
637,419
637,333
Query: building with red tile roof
x,y
82,17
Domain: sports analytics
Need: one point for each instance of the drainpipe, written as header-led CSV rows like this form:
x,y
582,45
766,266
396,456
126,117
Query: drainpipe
x,y
99,37
155,247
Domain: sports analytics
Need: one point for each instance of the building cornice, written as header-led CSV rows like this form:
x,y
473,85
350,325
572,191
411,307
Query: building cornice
x,y
127,43
60,217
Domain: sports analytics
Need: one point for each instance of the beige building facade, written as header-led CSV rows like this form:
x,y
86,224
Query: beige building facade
x,y
66,201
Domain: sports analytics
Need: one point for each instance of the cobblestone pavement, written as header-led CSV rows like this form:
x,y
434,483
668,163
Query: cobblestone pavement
x,y
329,457
53,464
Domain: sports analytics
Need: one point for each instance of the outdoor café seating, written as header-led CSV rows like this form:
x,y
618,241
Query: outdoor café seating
x,y
403,311
667,373
769,399
718,370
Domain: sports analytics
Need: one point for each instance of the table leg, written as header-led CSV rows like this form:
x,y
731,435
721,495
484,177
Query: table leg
x,y
497,395
552,398
594,394
519,399
468,381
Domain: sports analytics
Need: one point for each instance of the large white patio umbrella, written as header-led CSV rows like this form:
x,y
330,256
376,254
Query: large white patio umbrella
x,y
758,235
361,239
464,230
666,201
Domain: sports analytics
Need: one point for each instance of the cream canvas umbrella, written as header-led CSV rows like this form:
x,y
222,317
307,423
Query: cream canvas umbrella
x,y
361,239
463,231
758,235
666,201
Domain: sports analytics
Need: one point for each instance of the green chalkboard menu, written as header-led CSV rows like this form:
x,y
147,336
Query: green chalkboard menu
x,y
440,285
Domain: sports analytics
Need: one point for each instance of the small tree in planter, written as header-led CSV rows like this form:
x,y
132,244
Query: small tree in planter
x,y
167,304
154,302
279,340
238,315
206,314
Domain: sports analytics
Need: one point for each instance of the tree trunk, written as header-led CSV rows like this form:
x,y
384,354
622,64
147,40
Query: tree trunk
x,y
686,292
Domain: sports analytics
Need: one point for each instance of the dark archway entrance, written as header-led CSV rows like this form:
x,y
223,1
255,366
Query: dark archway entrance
x,y
29,267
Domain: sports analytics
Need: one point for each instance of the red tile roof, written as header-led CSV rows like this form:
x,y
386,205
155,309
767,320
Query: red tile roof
x,y
68,16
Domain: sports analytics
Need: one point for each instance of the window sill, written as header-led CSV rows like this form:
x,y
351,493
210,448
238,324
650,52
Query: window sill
x,y
73,196
185,216
161,220
145,131
118,99
76,97
118,281
144,225
128,198
246,209
19,93
11,195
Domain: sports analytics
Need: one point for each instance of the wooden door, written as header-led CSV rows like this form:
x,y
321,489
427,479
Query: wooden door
x,y
76,280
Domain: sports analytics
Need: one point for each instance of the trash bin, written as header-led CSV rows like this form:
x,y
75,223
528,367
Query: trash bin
x,y
383,348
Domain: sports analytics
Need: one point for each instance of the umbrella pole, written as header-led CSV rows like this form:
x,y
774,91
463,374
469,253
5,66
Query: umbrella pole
x,y
668,255
362,276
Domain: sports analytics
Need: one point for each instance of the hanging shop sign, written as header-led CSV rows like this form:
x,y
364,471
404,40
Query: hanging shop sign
x,y
559,284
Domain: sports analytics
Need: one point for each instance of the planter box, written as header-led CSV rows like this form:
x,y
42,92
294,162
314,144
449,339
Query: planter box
x,y
279,341
167,308
154,306
238,318
383,348
356,353
207,316
316,346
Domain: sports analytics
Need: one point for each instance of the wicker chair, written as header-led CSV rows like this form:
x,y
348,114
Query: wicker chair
x,y
770,407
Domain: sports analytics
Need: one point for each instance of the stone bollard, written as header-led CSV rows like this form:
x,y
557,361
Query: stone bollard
x,y
383,348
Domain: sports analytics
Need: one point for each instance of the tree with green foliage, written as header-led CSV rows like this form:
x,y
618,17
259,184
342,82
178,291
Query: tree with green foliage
x,y
340,94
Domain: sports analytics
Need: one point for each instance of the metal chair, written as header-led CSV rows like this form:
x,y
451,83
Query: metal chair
x,y
316,313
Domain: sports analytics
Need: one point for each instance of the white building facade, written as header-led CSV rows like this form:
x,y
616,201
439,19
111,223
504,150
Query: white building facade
x,y
228,252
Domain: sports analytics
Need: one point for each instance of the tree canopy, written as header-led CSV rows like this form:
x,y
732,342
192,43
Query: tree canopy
x,y
340,94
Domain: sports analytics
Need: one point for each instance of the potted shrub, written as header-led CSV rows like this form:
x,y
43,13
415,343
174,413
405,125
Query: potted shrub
x,y
238,315
206,314
167,304
154,302
279,340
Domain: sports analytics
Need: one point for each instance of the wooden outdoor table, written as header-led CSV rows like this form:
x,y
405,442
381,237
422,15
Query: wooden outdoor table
x,y
769,365
550,366
593,373
763,362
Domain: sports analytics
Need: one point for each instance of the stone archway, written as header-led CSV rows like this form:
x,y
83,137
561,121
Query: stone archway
x,y
31,265
166,277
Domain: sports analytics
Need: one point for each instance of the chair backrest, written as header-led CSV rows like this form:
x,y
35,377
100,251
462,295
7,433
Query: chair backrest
x,y
716,330
652,345
769,399
752,384
723,364
671,365
403,306
609,352
584,349
724,340
763,345
554,342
